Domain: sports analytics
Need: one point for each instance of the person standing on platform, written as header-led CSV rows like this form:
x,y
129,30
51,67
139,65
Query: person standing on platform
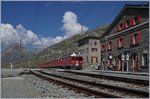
x,y
11,66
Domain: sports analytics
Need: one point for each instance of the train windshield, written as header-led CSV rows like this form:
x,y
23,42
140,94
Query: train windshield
x,y
80,58
77,58
73,58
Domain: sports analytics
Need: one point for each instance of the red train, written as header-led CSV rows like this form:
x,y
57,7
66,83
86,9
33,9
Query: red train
x,y
71,61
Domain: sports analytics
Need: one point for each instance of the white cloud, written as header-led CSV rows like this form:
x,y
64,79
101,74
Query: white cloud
x,y
11,34
71,25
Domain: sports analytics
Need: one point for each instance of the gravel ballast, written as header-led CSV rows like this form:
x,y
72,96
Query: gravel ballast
x,y
51,90
30,86
15,87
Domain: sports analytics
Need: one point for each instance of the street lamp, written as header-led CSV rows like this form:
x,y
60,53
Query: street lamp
x,y
127,59
123,58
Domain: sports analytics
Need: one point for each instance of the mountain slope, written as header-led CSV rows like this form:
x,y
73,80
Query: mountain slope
x,y
69,45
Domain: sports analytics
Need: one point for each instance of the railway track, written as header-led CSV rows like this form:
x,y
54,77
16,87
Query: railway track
x,y
90,87
105,76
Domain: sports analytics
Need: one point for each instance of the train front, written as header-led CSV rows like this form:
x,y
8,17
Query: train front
x,y
76,61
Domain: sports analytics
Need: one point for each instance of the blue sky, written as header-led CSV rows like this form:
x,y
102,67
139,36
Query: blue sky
x,y
44,19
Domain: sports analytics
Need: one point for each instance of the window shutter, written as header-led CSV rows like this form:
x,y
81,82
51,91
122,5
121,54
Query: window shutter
x,y
118,42
110,44
123,24
138,37
132,22
118,27
107,45
138,19
131,40
102,48
122,41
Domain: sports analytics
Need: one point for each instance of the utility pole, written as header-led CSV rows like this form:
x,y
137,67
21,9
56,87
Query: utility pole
x,y
29,59
11,61
81,29
47,54
20,49
106,54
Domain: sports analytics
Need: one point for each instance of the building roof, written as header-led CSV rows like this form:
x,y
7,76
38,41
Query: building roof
x,y
89,37
121,13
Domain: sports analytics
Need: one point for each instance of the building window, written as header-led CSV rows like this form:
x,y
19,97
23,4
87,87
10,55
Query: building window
x,y
94,49
124,24
109,45
102,48
137,19
119,27
145,60
135,38
95,43
94,60
83,51
128,23
91,43
120,42
87,49
87,58
132,21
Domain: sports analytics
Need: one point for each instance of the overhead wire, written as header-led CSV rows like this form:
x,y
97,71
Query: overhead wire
x,y
36,15
109,15
88,11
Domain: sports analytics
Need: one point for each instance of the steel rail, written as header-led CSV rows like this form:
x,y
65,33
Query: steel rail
x,y
134,91
111,77
97,94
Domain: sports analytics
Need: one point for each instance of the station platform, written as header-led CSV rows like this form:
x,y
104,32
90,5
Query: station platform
x,y
122,75
123,72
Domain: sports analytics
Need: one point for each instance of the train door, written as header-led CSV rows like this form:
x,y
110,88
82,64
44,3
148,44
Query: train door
x,y
77,61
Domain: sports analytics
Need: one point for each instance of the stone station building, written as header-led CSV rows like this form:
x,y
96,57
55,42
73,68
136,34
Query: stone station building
x,y
125,44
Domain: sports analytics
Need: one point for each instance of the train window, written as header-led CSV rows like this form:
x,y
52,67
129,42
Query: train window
x,y
80,58
73,58
77,58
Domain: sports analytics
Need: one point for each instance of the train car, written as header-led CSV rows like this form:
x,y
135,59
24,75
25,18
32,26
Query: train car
x,y
44,65
76,62
72,61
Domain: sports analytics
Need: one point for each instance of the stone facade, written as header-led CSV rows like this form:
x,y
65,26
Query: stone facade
x,y
125,44
89,48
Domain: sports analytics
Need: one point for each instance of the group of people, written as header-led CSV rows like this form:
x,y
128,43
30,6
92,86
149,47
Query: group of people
x,y
111,67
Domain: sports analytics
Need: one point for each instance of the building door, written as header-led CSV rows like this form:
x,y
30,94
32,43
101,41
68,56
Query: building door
x,y
125,66
94,60
114,63
145,60
134,62
119,63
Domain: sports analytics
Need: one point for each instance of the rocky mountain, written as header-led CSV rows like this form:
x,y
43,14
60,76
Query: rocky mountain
x,y
14,53
66,46
70,44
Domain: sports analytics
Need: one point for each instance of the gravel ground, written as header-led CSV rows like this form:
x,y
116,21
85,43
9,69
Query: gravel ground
x,y
15,87
11,73
51,90
30,86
